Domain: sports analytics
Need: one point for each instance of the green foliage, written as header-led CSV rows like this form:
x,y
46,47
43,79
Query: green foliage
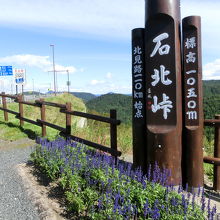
x,y
97,189
122,103
211,102
211,87
209,171
53,115
84,96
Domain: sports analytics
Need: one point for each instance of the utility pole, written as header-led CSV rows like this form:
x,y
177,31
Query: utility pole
x,y
68,80
54,71
33,85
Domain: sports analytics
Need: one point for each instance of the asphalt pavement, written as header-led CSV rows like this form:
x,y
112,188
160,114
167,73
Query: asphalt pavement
x,y
14,202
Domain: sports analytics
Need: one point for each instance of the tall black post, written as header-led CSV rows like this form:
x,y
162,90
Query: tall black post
x,y
139,99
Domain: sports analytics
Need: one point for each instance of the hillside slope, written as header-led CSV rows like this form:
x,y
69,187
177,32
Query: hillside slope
x,y
122,103
211,100
85,96
53,115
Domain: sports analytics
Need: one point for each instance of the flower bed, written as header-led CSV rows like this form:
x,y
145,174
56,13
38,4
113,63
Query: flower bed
x,y
98,188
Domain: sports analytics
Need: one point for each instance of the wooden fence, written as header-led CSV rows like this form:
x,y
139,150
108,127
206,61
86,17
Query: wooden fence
x,y
66,132
65,109
216,159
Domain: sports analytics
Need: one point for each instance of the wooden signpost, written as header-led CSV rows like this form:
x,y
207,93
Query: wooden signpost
x,y
163,85
193,102
167,94
139,98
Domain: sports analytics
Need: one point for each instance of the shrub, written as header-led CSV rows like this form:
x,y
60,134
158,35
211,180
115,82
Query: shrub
x,y
97,187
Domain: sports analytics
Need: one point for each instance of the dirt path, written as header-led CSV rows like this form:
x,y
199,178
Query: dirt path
x,y
22,143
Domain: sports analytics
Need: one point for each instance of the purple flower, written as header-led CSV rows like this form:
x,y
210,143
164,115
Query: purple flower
x,y
209,208
213,212
146,208
184,204
156,211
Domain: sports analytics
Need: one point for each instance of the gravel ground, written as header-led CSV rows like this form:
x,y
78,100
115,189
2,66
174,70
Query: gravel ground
x,y
14,203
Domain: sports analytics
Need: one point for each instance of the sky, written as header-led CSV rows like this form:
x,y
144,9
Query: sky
x,y
92,40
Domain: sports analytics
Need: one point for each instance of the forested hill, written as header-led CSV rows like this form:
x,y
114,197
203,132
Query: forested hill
x,y
211,90
84,96
122,103
211,87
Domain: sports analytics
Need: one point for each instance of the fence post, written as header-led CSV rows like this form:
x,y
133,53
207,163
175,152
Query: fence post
x,y
216,183
21,111
4,106
43,118
113,132
68,119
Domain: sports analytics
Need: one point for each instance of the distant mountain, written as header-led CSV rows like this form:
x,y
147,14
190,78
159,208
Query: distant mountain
x,y
84,96
32,93
122,103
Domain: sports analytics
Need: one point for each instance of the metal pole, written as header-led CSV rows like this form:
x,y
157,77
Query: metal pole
x,y
139,99
68,82
54,72
33,86
163,86
193,103
11,87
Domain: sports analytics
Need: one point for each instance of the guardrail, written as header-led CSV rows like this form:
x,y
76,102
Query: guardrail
x,y
216,159
66,132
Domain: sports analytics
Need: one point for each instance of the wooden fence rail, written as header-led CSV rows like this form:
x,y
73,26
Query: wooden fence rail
x,y
216,159
66,132
113,121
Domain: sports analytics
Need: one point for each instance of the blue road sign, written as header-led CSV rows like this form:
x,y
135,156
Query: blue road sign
x,y
6,71
19,80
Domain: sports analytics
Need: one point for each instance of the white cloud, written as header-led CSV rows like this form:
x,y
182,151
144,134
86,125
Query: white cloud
x,y
107,80
41,62
212,70
99,17
109,87
102,17
109,75
95,82
209,12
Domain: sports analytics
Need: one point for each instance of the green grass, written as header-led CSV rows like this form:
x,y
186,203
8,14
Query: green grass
x,y
95,131
11,130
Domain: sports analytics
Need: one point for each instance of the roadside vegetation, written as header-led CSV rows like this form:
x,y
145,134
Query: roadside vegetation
x,y
95,187
95,131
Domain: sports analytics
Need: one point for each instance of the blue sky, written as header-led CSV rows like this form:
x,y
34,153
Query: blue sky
x,y
92,40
